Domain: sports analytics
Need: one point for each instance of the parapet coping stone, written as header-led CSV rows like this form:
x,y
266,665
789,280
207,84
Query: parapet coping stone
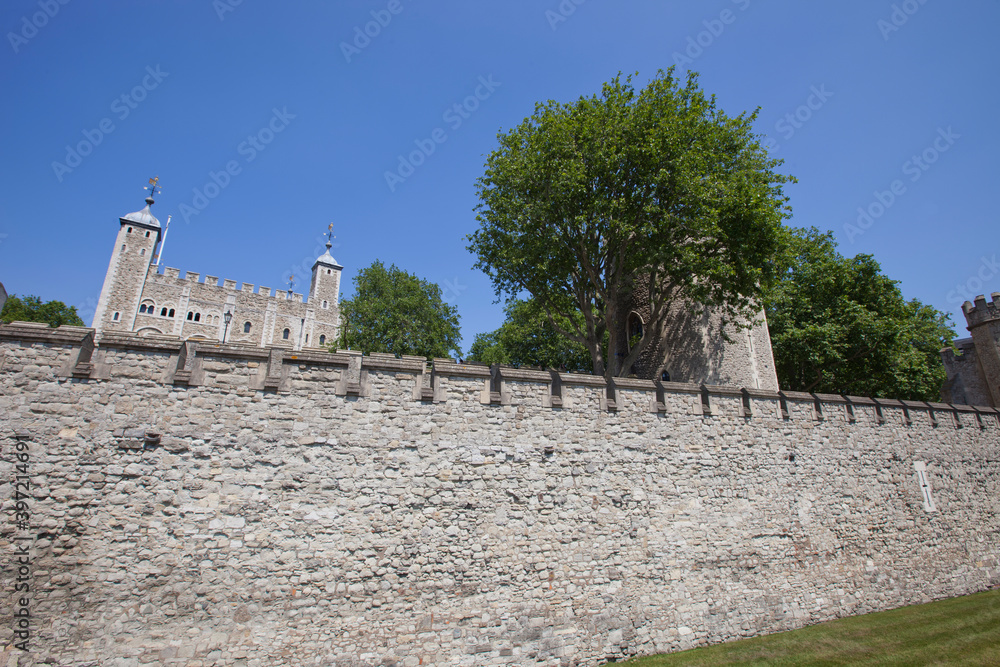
x,y
42,332
797,395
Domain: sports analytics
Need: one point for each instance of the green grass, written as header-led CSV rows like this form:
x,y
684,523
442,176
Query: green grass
x,y
959,631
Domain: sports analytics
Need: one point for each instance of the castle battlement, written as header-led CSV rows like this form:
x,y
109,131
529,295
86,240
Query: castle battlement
x,y
982,311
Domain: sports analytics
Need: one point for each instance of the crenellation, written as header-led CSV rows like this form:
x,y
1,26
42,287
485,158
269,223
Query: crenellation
x,y
171,273
229,284
192,277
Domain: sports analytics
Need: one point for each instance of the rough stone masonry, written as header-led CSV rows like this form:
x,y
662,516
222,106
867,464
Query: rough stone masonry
x,y
205,504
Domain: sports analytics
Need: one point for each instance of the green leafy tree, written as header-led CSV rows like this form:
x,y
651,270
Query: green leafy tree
x,y
527,338
394,311
653,192
31,309
840,325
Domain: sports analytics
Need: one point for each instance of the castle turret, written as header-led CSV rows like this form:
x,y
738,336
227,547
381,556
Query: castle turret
x,y
127,271
324,296
983,318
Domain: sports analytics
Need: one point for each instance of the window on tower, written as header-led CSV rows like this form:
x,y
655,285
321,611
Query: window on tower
x,y
163,312
142,308
197,317
116,316
286,333
128,231
171,313
322,340
246,327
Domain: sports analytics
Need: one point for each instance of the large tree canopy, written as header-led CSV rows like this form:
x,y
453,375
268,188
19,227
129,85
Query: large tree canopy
x,y
527,338
652,192
394,311
31,309
839,325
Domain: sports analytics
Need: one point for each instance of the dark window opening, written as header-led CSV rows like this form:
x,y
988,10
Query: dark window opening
x,y
197,317
129,230
142,308
171,314
322,340
286,333
116,316
163,312
246,327
147,235
190,316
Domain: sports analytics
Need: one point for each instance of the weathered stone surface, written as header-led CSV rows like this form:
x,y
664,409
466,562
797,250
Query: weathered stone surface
x,y
307,527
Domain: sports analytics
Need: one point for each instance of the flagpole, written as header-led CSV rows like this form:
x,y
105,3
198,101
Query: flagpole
x,y
163,242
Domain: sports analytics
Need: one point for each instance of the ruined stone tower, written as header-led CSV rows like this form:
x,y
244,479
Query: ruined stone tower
x,y
974,372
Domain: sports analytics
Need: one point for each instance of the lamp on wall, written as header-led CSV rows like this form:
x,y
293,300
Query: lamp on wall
x,y
228,317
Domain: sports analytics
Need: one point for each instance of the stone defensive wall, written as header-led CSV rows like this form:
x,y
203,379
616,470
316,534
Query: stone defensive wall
x,y
179,503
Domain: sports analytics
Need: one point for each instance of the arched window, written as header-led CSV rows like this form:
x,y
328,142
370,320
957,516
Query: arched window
x,y
142,308
634,329
246,327
190,315
128,231
325,304
117,314
171,313
286,333
147,235
197,317
163,312
142,253
322,340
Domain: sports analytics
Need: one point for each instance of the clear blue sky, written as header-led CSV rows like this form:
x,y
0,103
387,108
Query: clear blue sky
x,y
183,85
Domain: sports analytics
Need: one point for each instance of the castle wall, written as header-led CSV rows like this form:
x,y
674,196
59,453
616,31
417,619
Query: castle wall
x,y
269,314
973,374
231,505
965,383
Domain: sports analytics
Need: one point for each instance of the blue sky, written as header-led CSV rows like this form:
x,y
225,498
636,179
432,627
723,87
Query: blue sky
x,y
880,106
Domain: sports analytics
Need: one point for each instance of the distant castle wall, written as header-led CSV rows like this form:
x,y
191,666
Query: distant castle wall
x,y
310,323
974,371
235,505
137,298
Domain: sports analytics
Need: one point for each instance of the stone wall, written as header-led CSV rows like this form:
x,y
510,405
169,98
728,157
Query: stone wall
x,y
229,505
